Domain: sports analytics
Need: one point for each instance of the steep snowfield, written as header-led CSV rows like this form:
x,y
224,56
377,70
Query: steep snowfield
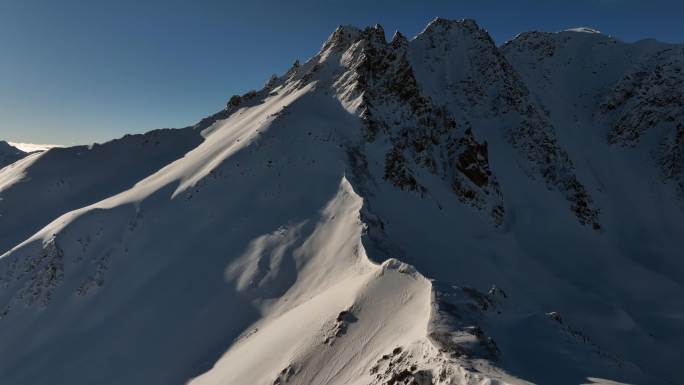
x,y
428,211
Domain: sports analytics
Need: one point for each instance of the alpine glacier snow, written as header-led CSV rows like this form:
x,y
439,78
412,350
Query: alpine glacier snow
x,y
434,210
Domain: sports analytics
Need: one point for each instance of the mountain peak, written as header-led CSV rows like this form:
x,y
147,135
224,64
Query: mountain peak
x,y
341,38
451,32
375,34
347,29
442,24
398,40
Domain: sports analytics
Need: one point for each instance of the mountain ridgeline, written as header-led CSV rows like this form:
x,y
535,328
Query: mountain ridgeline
x,y
434,210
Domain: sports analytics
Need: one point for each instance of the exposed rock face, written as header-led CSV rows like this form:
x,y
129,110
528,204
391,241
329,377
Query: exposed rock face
x,y
417,134
486,87
647,96
456,321
632,93
422,109
670,157
649,101
34,280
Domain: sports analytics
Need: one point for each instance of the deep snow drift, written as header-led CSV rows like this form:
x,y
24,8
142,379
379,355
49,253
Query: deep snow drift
x,y
437,210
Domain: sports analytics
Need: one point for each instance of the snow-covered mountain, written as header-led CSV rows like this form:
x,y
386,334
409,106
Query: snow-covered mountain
x,y
438,210
9,154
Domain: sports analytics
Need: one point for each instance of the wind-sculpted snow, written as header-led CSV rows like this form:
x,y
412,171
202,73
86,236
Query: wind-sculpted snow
x,y
435,210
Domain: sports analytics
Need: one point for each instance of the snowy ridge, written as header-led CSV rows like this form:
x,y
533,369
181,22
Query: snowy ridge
x,y
437,210
64,179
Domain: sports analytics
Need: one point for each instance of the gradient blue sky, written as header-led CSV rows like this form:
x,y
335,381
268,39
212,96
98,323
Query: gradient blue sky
x,y
78,71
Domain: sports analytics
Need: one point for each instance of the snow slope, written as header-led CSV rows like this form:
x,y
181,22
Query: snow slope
x,y
64,179
437,210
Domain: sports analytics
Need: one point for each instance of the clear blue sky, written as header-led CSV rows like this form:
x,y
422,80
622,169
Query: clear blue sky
x,y
78,71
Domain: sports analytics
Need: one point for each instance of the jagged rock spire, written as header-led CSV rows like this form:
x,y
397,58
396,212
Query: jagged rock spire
x,y
399,41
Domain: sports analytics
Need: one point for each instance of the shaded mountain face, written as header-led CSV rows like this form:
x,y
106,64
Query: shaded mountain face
x,y
437,210
9,154
65,179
